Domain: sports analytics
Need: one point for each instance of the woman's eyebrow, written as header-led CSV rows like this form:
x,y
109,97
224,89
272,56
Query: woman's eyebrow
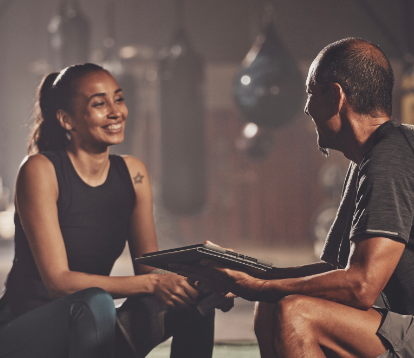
x,y
97,95
103,94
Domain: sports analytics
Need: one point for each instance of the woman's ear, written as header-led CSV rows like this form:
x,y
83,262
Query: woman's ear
x,y
64,119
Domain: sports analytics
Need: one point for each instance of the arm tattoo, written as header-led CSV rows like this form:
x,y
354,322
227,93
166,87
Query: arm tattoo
x,y
138,178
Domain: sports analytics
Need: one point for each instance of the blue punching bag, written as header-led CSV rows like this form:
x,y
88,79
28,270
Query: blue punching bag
x,y
268,87
183,178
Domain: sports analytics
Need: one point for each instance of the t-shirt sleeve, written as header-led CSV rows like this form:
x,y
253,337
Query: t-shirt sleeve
x,y
385,191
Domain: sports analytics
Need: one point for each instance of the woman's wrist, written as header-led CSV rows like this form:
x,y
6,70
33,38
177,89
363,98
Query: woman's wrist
x,y
151,283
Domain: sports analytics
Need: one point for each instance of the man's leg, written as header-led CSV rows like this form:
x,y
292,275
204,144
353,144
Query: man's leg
x,y
312,327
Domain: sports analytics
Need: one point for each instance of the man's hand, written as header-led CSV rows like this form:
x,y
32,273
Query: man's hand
x,y
222,279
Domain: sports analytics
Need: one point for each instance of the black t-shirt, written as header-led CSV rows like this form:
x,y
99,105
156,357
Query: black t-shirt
x,y
378,200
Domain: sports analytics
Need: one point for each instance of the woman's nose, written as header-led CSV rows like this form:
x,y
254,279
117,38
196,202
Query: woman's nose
x,y
114,111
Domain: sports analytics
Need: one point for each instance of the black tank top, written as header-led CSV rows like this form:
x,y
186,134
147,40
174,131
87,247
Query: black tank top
x,y
94,222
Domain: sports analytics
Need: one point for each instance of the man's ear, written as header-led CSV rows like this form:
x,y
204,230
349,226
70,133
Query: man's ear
x,y
64,119
339,98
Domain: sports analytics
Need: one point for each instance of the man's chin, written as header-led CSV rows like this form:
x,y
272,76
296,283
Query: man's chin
x,y
324,151
321,148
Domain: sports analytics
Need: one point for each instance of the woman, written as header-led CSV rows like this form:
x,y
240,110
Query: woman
x,y
76,206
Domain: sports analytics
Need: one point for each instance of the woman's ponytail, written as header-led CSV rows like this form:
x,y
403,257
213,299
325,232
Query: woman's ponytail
x,y
47,133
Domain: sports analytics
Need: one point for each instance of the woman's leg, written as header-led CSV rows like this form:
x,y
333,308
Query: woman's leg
x,y
193,333
80,325
140,326
146,322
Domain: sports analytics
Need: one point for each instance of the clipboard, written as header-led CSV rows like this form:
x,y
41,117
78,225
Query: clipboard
x,y
191,255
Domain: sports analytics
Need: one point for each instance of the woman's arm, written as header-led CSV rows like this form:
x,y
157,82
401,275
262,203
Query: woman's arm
x,y
36,197
143,239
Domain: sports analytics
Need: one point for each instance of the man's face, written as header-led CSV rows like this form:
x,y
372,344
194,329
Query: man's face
x,y
319,106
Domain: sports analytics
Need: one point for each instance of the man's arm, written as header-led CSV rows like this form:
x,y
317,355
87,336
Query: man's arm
x,y
371,264
293,272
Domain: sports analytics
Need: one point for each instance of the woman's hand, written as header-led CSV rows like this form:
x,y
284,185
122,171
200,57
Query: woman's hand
x,y
175,291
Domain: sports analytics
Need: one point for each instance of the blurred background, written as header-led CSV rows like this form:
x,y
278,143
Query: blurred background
x,y
215,90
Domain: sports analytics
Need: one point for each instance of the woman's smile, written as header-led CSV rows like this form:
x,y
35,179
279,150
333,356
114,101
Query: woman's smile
x,y
100,111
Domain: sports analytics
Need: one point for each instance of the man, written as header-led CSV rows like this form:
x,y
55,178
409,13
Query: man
x,y
325,309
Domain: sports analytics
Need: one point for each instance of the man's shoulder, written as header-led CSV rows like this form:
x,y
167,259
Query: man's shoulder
x,y
394,145
408,131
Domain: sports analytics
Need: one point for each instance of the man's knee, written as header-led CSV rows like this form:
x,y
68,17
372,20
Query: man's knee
x,y
293,310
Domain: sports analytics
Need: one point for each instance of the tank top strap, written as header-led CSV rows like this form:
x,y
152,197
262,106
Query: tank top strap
x,y
120,169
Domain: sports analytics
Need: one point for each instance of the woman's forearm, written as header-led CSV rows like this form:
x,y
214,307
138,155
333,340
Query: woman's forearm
x,y
117,286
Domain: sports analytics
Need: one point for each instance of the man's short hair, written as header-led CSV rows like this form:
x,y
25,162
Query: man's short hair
x,y
362,70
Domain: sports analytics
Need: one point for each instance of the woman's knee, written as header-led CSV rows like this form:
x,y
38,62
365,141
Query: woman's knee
x,y
92,317
97,301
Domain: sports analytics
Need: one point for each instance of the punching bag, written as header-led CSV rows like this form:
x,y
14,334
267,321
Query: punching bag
x,y
183,162
69,36
123,76
268,87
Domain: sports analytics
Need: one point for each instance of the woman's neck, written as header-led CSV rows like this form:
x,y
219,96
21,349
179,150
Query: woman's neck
x,y
93,167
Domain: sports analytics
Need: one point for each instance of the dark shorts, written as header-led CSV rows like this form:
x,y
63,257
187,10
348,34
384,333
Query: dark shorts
x,y
398,330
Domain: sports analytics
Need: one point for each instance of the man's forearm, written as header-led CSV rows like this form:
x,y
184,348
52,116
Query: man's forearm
x,y
336,285
295,272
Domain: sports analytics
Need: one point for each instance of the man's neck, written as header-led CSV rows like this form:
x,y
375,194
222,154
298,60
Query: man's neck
x,y
361,135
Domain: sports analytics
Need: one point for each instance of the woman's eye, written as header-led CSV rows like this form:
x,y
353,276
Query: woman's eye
x,y
120,99
98,104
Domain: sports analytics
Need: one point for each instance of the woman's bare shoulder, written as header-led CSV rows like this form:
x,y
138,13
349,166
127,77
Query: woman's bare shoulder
x,y
37,172
135,166
36,163
133,162
138,173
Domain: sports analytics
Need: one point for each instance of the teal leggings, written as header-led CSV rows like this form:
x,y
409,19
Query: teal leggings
x,y
82,325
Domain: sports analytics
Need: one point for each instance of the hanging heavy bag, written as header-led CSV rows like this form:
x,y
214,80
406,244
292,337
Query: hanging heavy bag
x,y
183,179
69,36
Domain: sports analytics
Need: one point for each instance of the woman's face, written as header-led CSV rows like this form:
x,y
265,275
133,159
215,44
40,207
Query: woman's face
x,y
99,111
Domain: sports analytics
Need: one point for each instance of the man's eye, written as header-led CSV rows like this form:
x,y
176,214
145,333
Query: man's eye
x,y
120,99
